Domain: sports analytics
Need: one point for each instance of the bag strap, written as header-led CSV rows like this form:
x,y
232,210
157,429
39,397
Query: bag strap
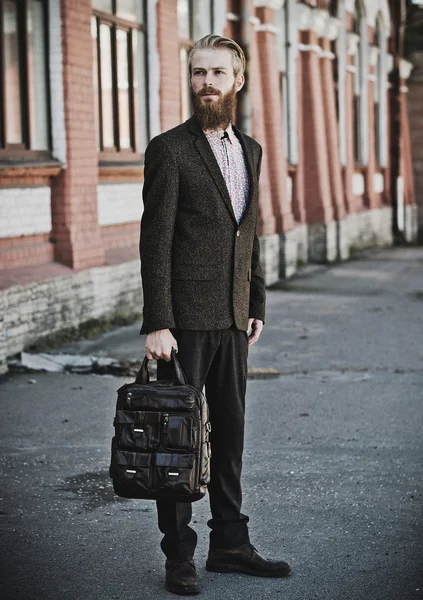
x,y
179,376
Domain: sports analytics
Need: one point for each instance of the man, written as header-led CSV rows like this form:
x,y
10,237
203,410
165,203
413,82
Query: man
x,y
203,290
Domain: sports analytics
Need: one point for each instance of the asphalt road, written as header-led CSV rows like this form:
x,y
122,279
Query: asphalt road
x,y
333,459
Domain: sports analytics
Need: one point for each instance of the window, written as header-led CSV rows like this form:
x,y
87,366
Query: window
x,y
380,93
281,24
24,102
286,45
360,85
119,71
193,24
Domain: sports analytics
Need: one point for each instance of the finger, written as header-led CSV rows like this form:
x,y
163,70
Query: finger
x,y
148,354
252,339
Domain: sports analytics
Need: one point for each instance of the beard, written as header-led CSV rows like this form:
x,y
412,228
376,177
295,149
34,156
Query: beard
x,y
214,115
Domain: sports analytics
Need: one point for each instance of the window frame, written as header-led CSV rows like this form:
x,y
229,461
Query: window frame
x,y
186,45
288,82
360,80
117,154
22,151
380,102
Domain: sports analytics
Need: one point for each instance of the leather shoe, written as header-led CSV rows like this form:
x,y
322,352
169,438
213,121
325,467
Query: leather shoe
x,y
181,576
245,559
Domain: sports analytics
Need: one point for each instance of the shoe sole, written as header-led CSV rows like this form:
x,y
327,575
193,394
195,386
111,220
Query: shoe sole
x,y
233,568
184,590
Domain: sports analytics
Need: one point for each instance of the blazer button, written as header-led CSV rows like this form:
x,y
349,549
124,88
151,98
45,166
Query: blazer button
x,y
237,233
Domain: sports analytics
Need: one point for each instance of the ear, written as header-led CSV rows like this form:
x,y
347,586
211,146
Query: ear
x,y
239,84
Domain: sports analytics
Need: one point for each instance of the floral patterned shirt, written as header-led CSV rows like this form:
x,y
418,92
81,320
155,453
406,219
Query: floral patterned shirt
x,y
230,157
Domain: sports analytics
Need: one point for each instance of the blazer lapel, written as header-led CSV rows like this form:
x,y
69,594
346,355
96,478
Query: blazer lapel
x,y
211,163
252,172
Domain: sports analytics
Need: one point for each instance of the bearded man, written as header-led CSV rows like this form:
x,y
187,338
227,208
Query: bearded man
x,y
204,296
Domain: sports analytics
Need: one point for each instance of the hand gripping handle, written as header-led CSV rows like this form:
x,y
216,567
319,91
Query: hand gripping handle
x,y
179,376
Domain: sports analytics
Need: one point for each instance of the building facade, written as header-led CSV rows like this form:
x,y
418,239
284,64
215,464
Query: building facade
x,y
86,84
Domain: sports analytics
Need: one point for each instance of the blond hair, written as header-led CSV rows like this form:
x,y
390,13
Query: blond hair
x,y
217,41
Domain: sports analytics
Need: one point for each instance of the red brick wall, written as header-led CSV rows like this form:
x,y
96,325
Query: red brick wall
x,y
316,174
168,45
272,122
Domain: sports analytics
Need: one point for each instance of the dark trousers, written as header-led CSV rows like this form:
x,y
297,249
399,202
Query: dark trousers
x,y
218,361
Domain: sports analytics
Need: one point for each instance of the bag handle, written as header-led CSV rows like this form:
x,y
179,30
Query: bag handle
x,y
143,376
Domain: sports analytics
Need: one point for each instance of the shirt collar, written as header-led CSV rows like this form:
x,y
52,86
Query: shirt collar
x,y
218,133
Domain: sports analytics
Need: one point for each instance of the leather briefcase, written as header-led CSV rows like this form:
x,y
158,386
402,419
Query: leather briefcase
x,y
161,447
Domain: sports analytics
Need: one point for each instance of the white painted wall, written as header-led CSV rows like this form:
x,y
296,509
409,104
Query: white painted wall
x,y
119,203
24,211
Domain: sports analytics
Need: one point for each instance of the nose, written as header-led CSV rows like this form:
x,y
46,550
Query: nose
x,y
209,80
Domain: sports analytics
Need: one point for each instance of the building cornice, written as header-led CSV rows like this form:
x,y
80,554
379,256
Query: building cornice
x,y
372,8
332,28
266,27
274,4
352,43
405,68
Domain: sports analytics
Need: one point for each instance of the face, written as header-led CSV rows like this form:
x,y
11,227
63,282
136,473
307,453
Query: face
x,y
212,74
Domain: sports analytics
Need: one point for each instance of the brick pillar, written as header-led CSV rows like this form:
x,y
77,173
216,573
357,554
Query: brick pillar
x,y
331,122
272,119
320,218
267,220
353,203
386,196
415,116
298,192
168,47
411,226
370,198
333,152
75,230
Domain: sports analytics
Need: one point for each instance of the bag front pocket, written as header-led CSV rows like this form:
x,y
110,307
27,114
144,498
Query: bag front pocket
x,y
132,470
178,431
175,474
137,429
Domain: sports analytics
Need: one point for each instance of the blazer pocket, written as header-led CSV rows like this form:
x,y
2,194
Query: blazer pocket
x,y
195,272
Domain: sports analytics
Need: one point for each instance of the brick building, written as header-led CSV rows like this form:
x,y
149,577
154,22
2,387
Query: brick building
x,y
86,84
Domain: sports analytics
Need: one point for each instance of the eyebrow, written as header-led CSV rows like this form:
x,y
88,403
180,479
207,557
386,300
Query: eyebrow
x,y
214,68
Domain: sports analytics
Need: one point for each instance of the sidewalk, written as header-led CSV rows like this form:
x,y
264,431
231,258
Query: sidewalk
x,y
333,476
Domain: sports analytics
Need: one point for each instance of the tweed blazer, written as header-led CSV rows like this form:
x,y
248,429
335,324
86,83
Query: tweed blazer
x,y
200,269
